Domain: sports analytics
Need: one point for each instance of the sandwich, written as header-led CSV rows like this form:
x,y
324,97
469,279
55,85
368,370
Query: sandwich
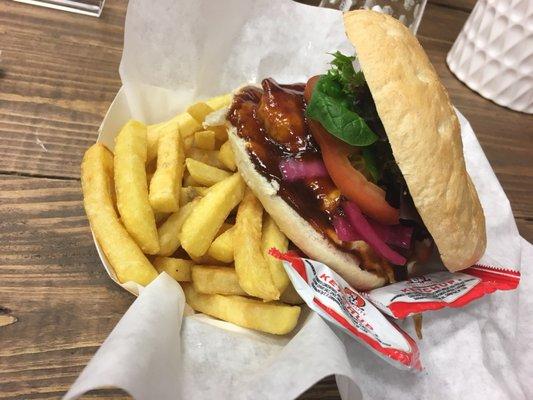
x,y
362,170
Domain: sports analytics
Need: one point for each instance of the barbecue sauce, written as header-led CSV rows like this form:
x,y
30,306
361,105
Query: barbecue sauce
x,y
272,121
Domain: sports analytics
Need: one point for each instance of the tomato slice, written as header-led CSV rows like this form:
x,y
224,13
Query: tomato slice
x,y
369,197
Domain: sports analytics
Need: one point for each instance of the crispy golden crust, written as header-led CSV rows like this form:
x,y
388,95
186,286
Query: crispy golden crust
x,y
424,133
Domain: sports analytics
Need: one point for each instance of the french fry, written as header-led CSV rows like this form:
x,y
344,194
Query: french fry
x,y
209,157
131,187
166,182
226,157
177,268
250,264
188,142
273,237
209,279
204,174
188,180
219,102
222,247
169,231
291,296
201,190
273,317
204,140
202,225
152,139
199,111
126,258
221,132
187,126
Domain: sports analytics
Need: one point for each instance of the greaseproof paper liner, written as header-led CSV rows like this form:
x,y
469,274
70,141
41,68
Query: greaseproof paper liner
x,y
179,52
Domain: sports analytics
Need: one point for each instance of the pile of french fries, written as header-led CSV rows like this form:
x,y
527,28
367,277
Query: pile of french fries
x,y
170,199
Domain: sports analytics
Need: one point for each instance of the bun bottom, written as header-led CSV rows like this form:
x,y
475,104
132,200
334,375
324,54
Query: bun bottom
x,y
297,229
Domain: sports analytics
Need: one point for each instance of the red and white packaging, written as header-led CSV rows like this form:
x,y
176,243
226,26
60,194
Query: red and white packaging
x,y
329,295
441,289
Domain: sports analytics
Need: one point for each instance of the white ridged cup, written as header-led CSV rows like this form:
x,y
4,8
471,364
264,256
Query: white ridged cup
x,y
493,54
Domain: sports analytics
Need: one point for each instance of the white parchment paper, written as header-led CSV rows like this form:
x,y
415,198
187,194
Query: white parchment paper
x,y
176,52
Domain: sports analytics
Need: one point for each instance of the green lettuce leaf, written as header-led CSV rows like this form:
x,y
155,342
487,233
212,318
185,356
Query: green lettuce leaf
x,y
333,108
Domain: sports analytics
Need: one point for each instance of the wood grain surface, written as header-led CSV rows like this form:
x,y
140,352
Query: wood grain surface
x,y
58,75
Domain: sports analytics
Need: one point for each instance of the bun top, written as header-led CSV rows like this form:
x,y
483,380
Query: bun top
x,y
424,134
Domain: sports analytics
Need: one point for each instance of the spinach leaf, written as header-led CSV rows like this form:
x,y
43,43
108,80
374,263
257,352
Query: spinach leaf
x,y
332,108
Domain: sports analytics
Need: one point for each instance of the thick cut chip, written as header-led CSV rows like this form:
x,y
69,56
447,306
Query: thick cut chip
x,y
169,231
199,111
209,157
209,279
273,237
165,185
131,186
124,255
204,174
219,102
252,268
204,140
177,268
222,247
187,126
188,180
202,225
226,157
272,317
221,132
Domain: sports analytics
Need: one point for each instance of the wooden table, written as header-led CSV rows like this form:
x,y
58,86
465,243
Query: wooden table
x,y
58,75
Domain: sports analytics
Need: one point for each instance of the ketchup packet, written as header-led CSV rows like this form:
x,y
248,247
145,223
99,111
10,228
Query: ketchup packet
x,y
333,299
441,289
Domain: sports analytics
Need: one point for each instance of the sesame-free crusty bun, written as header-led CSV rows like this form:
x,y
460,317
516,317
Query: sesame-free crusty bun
x,y
424,134
297,229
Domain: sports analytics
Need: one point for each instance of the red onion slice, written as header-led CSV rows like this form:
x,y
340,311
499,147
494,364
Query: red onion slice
x,y
368,234
294,169
395,235
344,229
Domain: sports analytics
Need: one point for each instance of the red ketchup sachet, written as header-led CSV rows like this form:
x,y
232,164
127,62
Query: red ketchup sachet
x,y
329,295
441,289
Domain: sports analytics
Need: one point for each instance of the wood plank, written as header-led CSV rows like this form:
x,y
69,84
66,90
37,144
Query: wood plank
x,y
59,73
441,23
52,282
465,5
